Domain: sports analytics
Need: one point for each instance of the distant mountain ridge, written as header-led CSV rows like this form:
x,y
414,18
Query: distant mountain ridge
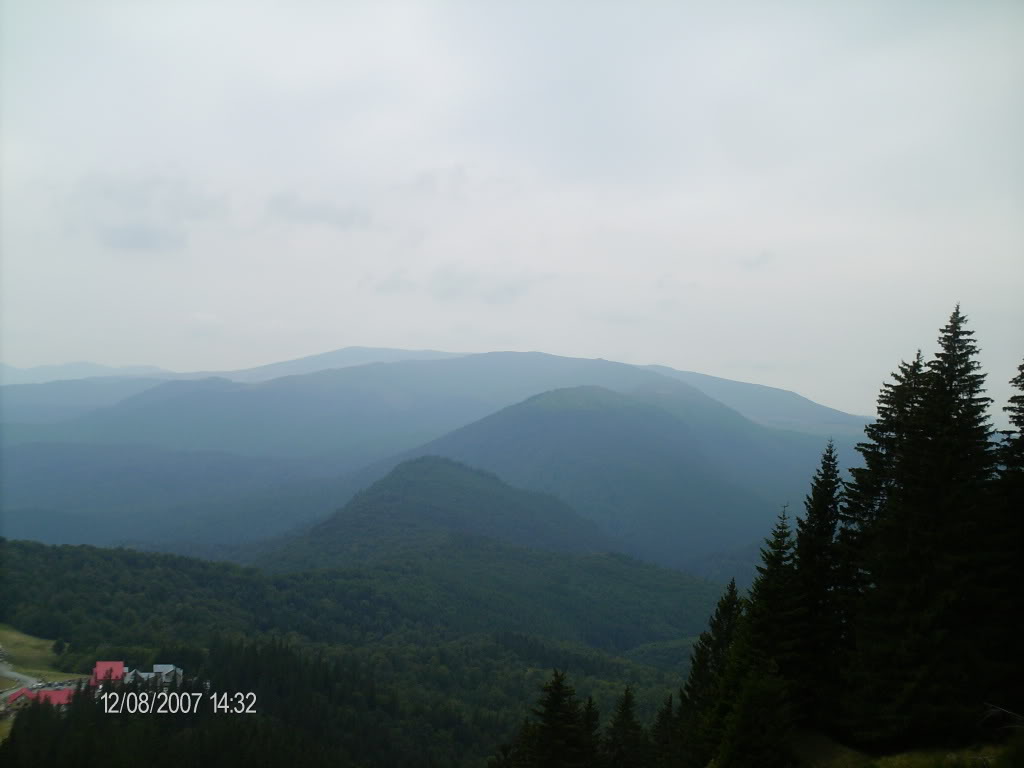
x,y
64,399
336,358
766,405
39,374
351,416
771,406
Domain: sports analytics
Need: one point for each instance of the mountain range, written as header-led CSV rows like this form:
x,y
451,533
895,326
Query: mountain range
x,y
650,456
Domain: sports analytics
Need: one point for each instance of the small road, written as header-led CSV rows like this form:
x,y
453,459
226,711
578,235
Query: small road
x,y
6,671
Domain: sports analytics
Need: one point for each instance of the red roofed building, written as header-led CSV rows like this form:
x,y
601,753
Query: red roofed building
x,y
60,697
107,671
20,698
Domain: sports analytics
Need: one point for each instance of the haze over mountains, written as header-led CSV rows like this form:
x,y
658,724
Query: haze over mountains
x,y
669,465
10,374
337,358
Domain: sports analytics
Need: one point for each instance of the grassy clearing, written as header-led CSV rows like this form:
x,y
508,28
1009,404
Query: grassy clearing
x,y
941,758
32,656
6,682
817,751
49,675
5,726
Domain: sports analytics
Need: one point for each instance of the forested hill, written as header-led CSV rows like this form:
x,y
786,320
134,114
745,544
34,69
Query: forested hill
x,y
430,501
434,658
92,596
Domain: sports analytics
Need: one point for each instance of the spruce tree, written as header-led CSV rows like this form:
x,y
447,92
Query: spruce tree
x,y
918,665
559,731
764,642
817,568
698,724
775,610
865,496
758,729
590,720
707,660
665,736
1008,576
625,741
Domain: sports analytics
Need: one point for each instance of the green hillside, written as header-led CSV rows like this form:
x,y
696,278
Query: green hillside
x,y
428,501
437,654
462,585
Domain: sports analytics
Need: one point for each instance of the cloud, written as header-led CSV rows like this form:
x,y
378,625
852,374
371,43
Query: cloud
x,y
707,185
343,218
138,212
759,261
139,237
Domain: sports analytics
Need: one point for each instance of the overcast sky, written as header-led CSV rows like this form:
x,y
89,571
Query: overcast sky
x,y
795,194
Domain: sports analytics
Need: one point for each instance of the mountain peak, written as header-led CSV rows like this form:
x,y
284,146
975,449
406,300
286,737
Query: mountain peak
x,y
430,500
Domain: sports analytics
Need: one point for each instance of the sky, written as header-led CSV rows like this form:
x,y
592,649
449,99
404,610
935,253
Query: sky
x,y
791,193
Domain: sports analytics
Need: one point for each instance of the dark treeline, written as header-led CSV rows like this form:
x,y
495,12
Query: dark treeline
x,y
311,710
888,617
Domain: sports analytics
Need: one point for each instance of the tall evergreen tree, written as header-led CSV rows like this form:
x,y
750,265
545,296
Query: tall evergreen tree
x,y
865,499
665,737
698,722
559,731
919,659
1008,571
590,720
758,729
625,742
775,610
817,569
754,715
763,641
865,496
707,661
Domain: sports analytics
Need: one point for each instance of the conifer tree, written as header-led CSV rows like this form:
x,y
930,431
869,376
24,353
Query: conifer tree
x,y
763,640
559,732
625,741
866,495
753,717
775,610
817,569
709,652
665,736
1008,576
919,663
591,733
759,726
698,722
